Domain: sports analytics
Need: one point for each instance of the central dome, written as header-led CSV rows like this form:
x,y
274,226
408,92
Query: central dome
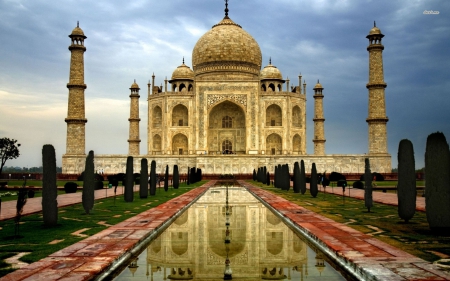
x,y
226,47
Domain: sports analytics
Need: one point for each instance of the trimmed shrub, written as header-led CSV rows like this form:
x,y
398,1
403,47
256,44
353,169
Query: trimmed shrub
x,y
368,201
313,184
98,185
88,184
189,176
358,184
129,183
437,185
254,175
70,187
49,190
296,184
176,177
264,175
166,179
199,175
268,179
153,178
143,180
302,177
335,176
406,188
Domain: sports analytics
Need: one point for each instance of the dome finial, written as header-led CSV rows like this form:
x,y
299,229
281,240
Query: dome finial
x,y
226,9
78,23
183,60
374,24
270,60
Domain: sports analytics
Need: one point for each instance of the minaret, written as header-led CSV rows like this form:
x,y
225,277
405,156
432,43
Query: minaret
x,y
76,121
319,131
133,141
377,108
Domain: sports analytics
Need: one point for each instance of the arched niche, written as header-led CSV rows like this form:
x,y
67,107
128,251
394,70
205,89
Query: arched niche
x,y
157,143
180,144
297,143
274,144
274,116
226,122
180,116
157,117
296,117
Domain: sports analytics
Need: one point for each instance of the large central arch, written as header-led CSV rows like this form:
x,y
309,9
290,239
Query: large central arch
x,y
226,129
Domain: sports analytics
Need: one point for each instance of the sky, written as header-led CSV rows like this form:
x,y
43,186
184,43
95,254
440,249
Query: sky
x,y
127,40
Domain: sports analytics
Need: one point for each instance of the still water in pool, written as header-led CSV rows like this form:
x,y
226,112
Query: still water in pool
x,y
261,246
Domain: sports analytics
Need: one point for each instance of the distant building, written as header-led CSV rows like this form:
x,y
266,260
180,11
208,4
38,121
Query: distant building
x,y
226,115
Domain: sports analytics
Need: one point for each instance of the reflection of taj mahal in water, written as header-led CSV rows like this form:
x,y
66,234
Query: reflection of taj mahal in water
x,y
261,247
225,114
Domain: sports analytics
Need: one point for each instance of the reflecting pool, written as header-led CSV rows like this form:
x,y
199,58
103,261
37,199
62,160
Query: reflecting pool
x,y
261,246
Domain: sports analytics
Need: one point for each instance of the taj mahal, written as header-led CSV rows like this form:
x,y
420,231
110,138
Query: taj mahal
x,y
226,114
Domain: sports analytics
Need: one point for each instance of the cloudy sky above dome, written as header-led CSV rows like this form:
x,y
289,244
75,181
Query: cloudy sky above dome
x,y
133,39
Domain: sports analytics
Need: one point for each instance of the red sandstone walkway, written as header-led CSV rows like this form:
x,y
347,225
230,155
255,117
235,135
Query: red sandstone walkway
x,y
34,205
379,197
373,259
88,258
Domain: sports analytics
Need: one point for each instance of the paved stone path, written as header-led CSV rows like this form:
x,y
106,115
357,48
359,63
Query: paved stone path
x,y
91,256
378,197
34,205
373,259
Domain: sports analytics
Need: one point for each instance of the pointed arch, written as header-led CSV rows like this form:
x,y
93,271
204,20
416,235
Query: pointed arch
x,y
274,144
157,143
180,116
180,144
274,116
157,117
297,144
297,117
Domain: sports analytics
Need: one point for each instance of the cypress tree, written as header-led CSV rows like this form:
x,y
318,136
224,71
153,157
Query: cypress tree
x,y
129,183
153,178
302,177
275,177
280,177
368,185
189,176
264,175
287,178
49,189
88,183
176,177
199,175
437,185
268,179
254,175
313,184
406,187
296,184
166,178
193,175
143,180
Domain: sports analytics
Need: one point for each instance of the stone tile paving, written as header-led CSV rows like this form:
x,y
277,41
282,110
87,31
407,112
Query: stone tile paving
x,y
374,259
34,205
379,197
91,256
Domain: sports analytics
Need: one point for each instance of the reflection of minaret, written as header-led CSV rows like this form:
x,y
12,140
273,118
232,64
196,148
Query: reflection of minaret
x,y
377,108
133,266
320,263
227,274
76,120
319,131
133,141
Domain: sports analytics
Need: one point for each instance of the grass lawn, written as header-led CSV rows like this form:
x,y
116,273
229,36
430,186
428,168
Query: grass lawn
x,y
382,222
41,241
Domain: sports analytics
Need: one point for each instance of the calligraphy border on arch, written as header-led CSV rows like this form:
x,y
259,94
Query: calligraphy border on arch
x,y
217,98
